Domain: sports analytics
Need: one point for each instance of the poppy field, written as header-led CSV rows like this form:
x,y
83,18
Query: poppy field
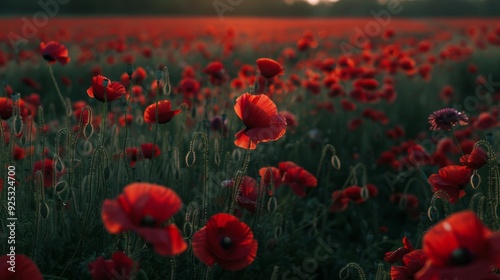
x,y
246,148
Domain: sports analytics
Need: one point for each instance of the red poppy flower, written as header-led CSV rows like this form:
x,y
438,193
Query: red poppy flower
x,y
297,178
476,159
291,120
340,201
188,72
446,93
417,155
216,72
485,121
237,84
367,84
412,263
261,118
112,91
139,75
131,155
356,193
128,120
451,180
460,247
24,268
269,67
189,87
312,86
54,51
33,99
398,254
144,208
149,152
354,123
266,174
165,114
119,267
247,197
226,241
347,105
5,108
388,158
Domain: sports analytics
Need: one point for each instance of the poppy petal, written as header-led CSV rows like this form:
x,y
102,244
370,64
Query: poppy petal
x,y
200,247
115,220
255,110
166,241
233,265
399,273
297,189
243,141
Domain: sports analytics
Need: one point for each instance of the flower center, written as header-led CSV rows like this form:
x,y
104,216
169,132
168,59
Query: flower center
x,y
49,58
148,221
461,256
226,243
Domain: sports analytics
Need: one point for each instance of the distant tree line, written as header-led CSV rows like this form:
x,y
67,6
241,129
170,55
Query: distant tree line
x,y
343,8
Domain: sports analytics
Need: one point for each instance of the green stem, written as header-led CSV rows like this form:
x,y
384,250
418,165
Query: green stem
x,y
456,140
65,105
103,119
156,131
127,167
238,182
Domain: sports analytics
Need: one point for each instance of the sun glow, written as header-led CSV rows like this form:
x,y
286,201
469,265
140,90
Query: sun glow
x,y
316,2
311,2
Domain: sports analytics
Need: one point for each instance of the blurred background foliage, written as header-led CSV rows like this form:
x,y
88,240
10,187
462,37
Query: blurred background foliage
x,y
341,8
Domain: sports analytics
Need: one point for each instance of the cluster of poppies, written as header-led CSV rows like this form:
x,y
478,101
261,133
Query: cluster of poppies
x,y
147,209
458,247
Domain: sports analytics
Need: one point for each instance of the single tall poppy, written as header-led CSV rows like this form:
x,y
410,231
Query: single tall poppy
x,y
261,118
54,51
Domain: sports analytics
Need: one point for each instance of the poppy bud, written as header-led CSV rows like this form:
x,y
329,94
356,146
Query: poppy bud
x,y
158,74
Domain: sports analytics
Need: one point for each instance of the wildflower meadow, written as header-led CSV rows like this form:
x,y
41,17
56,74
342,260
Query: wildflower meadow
x,y
249,148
